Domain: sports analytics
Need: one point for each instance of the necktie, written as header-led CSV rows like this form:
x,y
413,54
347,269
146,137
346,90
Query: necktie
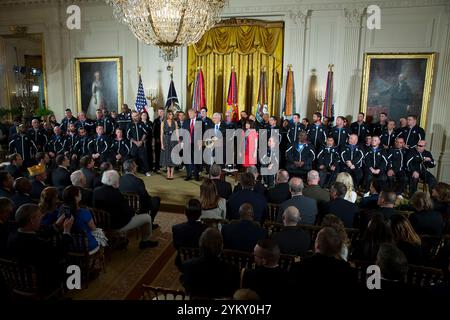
x,y
192,127
217,129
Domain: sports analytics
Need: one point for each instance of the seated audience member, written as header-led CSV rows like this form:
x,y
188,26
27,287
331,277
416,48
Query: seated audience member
x,y
15,165
22,195
386,203
371,201
280,192
61,174
6,210
105,166
378,231
6,184
313,190
324,270
244,235
440,196
38,175
26,247
208,276
48,206
330,220
424,219
187,234
306,205
108,198
86,166
268,280
129,182
258,187
224,188
347,180
83,221
245,295
341,208
406,239
78,179
213,206
240,197
393,267
292,240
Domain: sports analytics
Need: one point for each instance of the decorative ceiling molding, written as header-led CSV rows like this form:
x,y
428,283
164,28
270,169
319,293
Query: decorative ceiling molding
x,y
299,17
353,15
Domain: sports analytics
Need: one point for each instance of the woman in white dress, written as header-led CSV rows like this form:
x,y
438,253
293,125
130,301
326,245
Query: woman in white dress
x,y
97,100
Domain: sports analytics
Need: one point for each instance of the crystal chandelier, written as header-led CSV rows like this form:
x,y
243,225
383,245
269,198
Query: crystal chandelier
x,y
168,24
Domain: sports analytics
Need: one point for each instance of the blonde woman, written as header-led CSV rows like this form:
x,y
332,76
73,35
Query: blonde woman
x,y
347,180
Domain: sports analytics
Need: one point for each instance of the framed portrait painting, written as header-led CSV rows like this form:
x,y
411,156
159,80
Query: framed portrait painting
x,y
398,84
98,84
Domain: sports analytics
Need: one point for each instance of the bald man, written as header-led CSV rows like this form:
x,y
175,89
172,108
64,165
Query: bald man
x,y
418,163
280,192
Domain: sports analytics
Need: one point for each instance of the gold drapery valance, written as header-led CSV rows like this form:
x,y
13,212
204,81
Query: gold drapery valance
x,y
246,45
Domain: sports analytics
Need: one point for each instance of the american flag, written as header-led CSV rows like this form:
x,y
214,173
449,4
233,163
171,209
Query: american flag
x,y
141,102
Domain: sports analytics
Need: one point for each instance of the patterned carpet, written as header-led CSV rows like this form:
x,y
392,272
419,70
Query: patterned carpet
x,y
127,270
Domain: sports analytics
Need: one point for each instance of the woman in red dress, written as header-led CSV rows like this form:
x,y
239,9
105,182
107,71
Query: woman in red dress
x,y
250,141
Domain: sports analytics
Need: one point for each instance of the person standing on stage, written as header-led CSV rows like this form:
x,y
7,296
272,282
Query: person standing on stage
x,y
207,122
378,128
295,129
85,123
23,145
121,148
137,134
124,118
157,135
148,124
340,133
168,127
412,132
249,153
388,136
68,119
193,168
105,122
360,128
317,133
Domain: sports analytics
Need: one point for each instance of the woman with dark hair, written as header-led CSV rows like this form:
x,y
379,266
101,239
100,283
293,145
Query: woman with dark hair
x,y
213,206
424,219
332,221
83,220
406,238
87,164
250,141
168,127
378,232
145,119
48,203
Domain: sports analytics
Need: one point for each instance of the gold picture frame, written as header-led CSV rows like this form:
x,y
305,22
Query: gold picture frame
x,y
94,91
398,84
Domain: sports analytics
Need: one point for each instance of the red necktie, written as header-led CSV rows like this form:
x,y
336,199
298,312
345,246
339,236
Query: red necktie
x,y
192,127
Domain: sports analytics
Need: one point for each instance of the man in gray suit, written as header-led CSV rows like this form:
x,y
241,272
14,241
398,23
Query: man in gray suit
x,y
306,206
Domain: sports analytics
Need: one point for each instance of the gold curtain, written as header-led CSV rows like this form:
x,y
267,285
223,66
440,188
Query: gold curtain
x,y
249,46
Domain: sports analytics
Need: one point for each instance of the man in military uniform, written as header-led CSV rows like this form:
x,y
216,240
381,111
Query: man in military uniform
x,y
419,161
23,145
137,134
38,135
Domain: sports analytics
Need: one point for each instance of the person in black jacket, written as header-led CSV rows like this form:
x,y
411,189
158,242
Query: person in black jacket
x,y
388,136
68,119
268,280
380,126
351,159
15,163
375,164
396,168
280,192
425,220
223,187
6,211
360,127
108,198
104,121
340,133
137,134
22,195
317,133
84,123
27,247
412,133
187,234
343,209
38,174
6,184
328,163
129,182
157,135
300,156
23,145
208,276
61,175
120,148
418,163
38,135
100,145
294,129
56,144
124,118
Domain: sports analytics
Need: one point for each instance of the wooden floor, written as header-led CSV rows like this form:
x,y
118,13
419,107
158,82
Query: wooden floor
x,y
127,270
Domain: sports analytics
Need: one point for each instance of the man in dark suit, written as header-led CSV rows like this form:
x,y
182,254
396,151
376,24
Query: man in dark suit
x,y
280,192
108,198
27,247
343,209
187,234
61,175
38,175
323,272
22,195
306,205
268,280
208,276
313,190
6,184
224,188
157,135
247,195
78,179
129,182
6,210
194,129
258,187
292,240
386,202
15,163
244,235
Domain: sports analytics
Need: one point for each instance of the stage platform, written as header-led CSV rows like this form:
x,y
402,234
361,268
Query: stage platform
x,y
175,193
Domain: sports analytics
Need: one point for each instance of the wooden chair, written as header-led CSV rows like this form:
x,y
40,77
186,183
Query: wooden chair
x,y
22,281
239,258
286,261
79,254
133,201
213,223
431,245
188,253
420,276
157,293
102,219
273,211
